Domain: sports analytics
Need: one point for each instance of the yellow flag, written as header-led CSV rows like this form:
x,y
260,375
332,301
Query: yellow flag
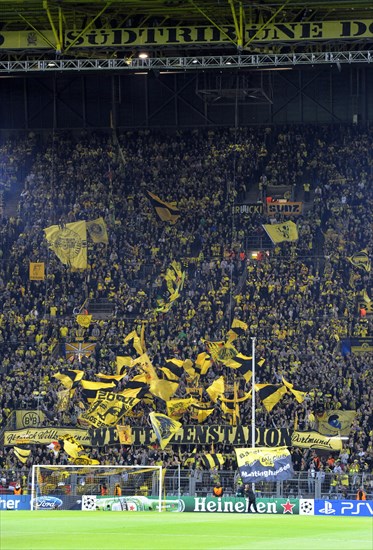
x,y
270,394
84,460
361,260
122,363
237,329
298,394
216,389
203,363
125,435
22,454
97,230
189,369
37,271
63,400
69,243
167,211
165,428
146,366
177,407
163,389
136,341
71,446
202,410
108,408
84,320
279,232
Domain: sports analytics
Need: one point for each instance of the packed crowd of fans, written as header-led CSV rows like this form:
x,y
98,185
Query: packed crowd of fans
x,y
299,299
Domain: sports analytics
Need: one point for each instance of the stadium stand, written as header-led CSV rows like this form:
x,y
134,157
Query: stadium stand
x,y
300,299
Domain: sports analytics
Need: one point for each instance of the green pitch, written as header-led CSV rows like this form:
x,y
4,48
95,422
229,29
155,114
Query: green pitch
x,y
73,530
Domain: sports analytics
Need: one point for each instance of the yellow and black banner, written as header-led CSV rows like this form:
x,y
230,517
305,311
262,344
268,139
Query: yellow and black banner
x,y
202,363
69,243
315,440
220,350
164,427
188,434
69,378
108,408
163,389
136,342
22,454
216,389
237,329
361,260
90,389
202,411
174,369
123,363
243,363
263,464
335,422
97,231
167,211
71,446
211,461
280,232
29,418
297,392
37,271
177,407
135,388
63,400
270,394
357,29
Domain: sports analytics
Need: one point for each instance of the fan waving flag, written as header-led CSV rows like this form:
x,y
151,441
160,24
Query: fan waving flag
x,y
165,428
22,454
211,461
279,232
167,211
69,243
264,464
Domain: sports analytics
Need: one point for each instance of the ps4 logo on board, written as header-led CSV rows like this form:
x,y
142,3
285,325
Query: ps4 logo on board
x,y
47,503
328,509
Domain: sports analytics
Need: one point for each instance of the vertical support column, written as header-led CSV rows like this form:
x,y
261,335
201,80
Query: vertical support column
x,y
84,102
25,102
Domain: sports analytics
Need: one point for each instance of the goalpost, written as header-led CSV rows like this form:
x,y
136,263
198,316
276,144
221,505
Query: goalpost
x,y
96,488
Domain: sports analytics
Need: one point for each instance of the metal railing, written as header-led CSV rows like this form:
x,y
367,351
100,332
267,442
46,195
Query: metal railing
x,y
199,483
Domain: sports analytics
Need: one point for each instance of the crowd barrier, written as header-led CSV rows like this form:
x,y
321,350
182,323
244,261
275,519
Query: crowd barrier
x,y
211,505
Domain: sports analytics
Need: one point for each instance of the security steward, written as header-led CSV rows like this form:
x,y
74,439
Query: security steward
x,y
218,490
17,489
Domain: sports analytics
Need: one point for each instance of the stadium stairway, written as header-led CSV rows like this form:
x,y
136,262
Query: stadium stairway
x,y
101,309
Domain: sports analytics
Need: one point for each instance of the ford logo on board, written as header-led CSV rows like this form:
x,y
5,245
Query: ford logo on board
x,y
47,503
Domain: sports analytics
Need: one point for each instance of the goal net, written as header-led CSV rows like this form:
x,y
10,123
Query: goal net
x,y
97,488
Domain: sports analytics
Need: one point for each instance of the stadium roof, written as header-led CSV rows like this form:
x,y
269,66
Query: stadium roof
x,y
241,25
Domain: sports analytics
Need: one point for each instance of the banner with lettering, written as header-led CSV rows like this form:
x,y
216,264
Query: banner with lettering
x,y
37,271
286,208
144,435
256,33
263,464
316,440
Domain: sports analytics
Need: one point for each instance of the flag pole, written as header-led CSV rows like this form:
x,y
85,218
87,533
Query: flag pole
x,y
253,419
